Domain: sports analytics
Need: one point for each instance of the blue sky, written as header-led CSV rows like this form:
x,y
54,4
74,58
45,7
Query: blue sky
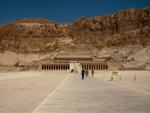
x,y
63,11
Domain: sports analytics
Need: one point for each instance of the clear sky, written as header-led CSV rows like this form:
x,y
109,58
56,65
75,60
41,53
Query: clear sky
x,y
63,11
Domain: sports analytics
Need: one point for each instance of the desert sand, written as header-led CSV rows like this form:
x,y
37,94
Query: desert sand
x,y
64,92
21,92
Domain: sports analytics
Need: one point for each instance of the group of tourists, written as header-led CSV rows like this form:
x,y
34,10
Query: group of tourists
x,y
85,73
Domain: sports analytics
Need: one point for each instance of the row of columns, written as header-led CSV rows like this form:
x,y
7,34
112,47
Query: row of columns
x,y
73,59
67,66
95,66
56,67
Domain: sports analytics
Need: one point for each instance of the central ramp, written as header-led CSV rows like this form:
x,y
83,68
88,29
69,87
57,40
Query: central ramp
x,y
93,95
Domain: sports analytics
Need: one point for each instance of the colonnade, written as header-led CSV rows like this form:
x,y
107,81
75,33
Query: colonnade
x,y
55,67
66,66
57,59
95,66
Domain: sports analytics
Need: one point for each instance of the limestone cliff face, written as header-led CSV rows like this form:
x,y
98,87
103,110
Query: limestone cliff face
x,y
123,28
126,27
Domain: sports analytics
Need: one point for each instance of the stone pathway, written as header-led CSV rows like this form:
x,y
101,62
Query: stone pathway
x,y
93,95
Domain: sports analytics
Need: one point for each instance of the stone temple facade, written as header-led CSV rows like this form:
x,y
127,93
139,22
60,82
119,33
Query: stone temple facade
x,y
76,62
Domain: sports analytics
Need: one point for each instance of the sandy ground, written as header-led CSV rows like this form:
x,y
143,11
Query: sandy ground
x,y
21,92
137,80
93,95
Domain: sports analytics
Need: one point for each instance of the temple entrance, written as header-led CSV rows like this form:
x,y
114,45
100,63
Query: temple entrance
x,y
75,66
76,63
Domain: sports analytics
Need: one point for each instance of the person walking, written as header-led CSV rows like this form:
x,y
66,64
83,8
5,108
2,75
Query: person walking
x,y
86,72
82,73
92,72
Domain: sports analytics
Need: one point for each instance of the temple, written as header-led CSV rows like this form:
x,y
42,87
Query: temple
x,y
76,62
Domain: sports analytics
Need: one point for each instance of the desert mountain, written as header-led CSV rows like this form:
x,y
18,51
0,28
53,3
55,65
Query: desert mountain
x,y
126,29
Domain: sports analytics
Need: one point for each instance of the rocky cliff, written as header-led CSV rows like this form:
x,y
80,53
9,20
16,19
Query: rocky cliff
x,y
126,27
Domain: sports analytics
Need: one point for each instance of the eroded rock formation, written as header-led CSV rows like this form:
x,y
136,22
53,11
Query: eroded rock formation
x,y
126,27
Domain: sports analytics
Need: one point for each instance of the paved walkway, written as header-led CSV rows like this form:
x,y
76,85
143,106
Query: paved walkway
x,y
93,95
